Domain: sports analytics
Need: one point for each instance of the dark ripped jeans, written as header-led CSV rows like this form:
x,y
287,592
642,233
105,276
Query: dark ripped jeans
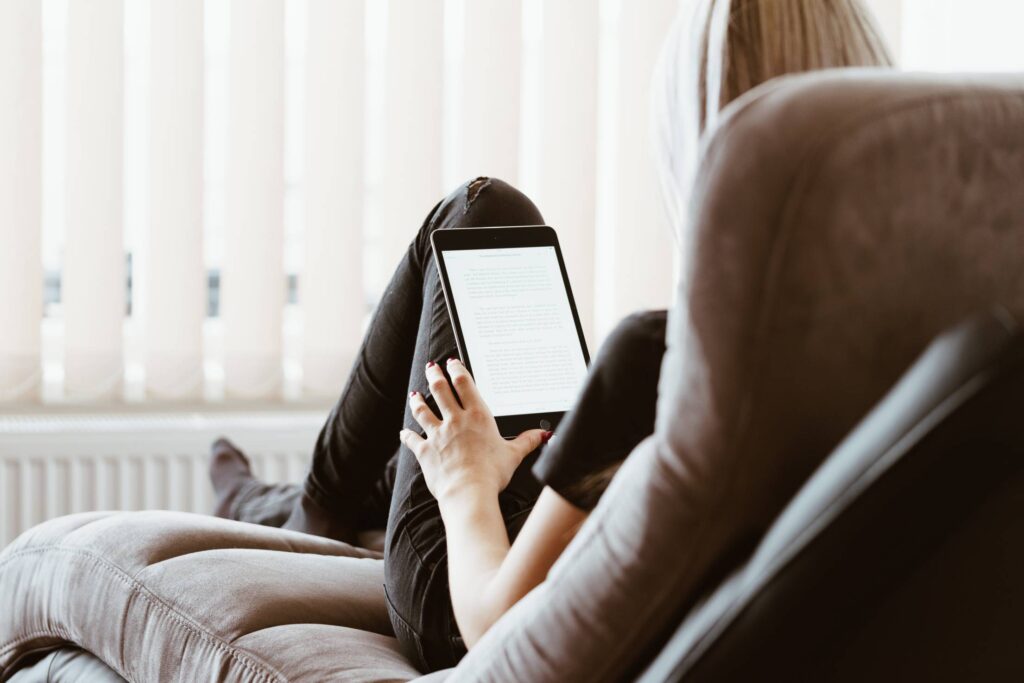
x,y
360,478
415,553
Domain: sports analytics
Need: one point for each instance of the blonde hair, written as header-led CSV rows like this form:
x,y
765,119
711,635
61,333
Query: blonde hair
x,y
714,54
720,49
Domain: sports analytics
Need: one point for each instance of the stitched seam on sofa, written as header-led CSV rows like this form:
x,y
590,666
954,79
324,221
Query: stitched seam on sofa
x,y
53,632
49,668
291,550
49,631
814,156
62,634
245,660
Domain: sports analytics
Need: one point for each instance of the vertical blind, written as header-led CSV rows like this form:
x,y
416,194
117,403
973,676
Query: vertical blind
x,y
171,267
252,279
286,151
93,276
21,272
334,162
258,252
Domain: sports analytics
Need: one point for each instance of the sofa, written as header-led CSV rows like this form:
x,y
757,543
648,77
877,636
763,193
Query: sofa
x,y
842,222
900,559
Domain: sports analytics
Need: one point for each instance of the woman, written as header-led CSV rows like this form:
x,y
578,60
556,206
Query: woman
x,y
456,494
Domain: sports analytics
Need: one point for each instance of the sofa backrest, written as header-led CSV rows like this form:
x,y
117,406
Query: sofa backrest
x,y
841,221
900,558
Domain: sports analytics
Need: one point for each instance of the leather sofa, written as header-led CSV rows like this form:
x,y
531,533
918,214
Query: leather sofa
x,y
901,558
842,221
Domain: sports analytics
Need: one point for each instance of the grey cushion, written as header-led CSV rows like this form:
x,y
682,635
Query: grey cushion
x,y
66,665
172,596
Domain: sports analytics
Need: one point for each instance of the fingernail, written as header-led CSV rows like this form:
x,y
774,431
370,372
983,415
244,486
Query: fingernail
x,y
430,363
413,393
452,359
546,436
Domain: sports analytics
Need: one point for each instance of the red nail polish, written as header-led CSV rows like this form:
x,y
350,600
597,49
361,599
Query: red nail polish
x,y
414,393
430,363
546,436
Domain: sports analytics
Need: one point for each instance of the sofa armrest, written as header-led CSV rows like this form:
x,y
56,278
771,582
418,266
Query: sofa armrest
x,y
174,596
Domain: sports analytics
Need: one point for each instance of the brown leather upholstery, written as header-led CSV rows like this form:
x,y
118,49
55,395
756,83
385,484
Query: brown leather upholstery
x,y
899,560
843,220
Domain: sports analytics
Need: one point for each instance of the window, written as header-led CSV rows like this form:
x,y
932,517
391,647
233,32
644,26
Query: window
x,y
963,35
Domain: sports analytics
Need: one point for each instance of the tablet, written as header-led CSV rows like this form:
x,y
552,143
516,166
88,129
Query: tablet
x,y
515,321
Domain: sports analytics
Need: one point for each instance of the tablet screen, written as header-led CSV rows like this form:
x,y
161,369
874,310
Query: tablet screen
x,y
519,330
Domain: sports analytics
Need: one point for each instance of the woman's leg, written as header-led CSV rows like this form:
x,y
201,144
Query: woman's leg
x,y
416,577
361,432
244,498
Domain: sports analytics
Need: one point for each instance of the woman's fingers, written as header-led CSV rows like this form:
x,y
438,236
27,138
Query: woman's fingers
x,y
440,390
422,413
464,385
413,441
527,442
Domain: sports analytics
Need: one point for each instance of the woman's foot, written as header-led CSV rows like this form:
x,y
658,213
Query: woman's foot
x,y
229,471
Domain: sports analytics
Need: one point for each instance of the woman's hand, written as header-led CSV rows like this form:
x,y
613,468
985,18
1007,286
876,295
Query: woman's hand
x,y
464,450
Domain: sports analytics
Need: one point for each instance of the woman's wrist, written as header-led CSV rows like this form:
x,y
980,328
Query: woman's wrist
x,y
464,498
467,482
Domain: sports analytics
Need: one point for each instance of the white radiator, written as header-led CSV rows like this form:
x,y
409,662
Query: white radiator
x,y
52,465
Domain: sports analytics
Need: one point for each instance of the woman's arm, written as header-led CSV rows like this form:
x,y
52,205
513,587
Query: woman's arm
x,y
466,463
487,577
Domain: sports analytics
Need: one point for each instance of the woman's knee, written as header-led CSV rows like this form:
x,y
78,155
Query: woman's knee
x,y
637,341
486,202
637,332
483,196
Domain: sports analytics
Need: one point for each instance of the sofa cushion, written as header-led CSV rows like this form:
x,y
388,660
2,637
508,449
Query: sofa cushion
x,y
66,665
174,596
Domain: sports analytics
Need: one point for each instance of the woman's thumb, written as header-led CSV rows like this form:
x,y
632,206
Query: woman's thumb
x,y
531,440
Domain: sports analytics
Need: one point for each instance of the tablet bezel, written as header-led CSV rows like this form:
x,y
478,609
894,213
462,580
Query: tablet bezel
x,y
459,239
